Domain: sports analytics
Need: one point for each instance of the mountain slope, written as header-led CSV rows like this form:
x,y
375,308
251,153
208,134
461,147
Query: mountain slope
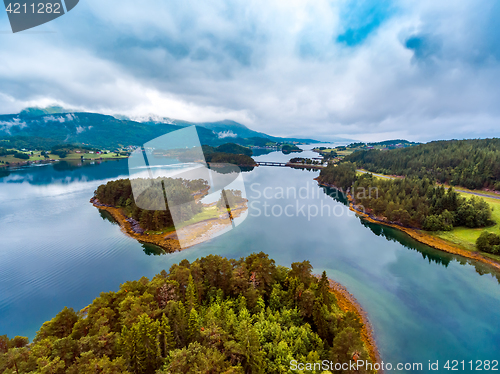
x,y
87,128
223,129
105,131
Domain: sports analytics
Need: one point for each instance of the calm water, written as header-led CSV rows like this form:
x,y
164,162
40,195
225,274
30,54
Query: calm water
x,y
57,250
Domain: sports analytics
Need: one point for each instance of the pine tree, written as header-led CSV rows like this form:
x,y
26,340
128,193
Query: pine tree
x,y
167,339
141,345
324,288
193,326
191,294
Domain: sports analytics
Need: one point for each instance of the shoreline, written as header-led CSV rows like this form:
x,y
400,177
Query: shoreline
x,y
421,236
191,235
348,303
53,161
169,246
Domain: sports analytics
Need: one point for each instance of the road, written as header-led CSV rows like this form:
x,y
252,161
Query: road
x,y
375,174
477,194
456,189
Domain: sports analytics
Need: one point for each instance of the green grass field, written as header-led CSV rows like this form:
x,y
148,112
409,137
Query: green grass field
x,y
375,175
466,237
340,153
70,157
207,213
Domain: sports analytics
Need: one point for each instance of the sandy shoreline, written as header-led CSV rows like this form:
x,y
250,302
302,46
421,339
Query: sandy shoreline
x,y
169,245
191,235
422,236
348,303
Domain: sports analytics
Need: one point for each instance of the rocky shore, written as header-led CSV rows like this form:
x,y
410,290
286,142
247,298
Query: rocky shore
x,y
168,240
131,227
348,303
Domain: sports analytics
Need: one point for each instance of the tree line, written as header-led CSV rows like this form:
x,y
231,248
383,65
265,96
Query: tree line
x,y
229,153
62,150
229,158
180,192
28,142
341,175
472,163
213,315
488,242
13,152
409,201
289,148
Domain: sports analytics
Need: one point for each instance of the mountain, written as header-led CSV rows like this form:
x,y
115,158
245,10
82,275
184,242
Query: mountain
x,y
83,128
35,112
223,129
55,124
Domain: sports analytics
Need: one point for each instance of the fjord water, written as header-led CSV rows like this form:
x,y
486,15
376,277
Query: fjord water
x,y
57,250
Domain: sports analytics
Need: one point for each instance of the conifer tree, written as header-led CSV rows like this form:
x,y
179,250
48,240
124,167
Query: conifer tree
x,y
191,296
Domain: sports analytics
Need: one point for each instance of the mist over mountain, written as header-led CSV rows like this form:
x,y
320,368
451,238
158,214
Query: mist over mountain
x,y
105,131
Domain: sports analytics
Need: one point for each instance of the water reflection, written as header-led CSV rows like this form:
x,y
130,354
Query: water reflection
x,y
106,216
261,151
4,173
395,235
66,172
336,195
151,249
69,255
428,253
71,165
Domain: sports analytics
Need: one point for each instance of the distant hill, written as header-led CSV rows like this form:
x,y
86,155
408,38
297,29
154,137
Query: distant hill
x,y
394,142
472,163
225,129
58,125
35,112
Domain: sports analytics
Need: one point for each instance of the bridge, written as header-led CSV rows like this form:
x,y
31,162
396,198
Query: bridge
x,y
270,163
288,164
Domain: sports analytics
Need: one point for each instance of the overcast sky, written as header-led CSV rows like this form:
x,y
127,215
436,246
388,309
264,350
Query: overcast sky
x,y
368,70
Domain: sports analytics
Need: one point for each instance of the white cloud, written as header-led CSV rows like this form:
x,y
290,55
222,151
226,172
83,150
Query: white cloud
x,y
8,125
60,119
226,134
272,65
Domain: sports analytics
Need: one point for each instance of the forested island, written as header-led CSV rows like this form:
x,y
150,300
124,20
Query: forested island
x,y
229,153
156,226
290,148
212,315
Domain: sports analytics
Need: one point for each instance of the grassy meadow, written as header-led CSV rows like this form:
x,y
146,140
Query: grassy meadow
x,y
37,156
465,237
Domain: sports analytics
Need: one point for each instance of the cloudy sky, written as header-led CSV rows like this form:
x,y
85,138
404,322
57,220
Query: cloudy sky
x,y
368,70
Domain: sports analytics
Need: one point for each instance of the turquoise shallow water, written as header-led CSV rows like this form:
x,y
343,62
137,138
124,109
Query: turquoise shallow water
x,y
57,250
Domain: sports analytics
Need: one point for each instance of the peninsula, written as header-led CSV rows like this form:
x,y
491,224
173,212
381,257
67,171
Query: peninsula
x,y
199,222
229,315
